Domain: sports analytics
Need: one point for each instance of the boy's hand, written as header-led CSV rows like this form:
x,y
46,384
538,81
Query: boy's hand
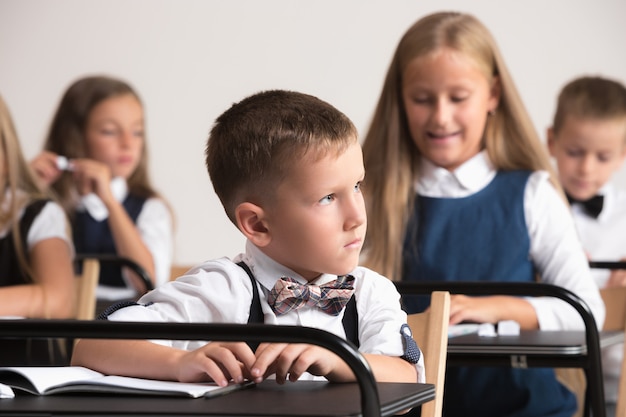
x,y
290,361
220,362
617,277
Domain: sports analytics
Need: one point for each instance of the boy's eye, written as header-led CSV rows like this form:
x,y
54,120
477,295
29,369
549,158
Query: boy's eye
x,y
327,199
604,157
357,187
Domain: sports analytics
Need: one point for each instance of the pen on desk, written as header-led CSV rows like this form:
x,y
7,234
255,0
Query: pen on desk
x,y
230,388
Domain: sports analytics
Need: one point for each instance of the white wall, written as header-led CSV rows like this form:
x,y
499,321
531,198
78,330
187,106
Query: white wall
x,y
190,59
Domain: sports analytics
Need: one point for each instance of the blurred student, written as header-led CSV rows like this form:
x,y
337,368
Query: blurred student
x,y
36,272
287,168
95,159
460,188
588,142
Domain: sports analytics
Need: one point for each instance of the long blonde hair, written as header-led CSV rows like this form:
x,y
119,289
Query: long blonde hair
x,y
16,176
392,160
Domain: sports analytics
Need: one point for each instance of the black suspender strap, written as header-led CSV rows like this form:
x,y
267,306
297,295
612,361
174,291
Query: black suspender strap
x,y
350,317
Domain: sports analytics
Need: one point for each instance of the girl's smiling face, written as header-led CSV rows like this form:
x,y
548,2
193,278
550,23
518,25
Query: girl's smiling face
x,y
447,100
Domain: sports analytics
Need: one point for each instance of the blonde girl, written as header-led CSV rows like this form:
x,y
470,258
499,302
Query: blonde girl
x,y
36,272
95,160
459,187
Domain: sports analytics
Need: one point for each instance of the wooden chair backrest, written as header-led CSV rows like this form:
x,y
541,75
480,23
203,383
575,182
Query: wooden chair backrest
x,y
178,270
85,290
430,331
615,303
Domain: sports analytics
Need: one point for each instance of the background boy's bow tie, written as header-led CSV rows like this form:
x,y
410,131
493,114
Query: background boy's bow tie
x,y
331,298
593,206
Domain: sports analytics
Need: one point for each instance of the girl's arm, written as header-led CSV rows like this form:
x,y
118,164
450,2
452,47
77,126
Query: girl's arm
x,y
93,176
52,293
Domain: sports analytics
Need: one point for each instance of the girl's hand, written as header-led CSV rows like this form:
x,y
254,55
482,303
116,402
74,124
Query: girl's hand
x,y
93,177
492,309
220,362
472,309
45,167
290,361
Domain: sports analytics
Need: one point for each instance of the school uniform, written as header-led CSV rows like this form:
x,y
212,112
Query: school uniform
x,y
220,291
92,235
604,239
39,220
476,224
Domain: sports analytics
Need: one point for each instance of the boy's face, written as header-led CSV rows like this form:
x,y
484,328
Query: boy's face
x,y
317,219
587,153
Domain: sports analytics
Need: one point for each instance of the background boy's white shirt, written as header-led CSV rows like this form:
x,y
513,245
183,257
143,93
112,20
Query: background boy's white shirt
x,y
604,239
220,291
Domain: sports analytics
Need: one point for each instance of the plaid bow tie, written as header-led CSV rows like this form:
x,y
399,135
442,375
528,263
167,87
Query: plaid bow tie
x,y
331,298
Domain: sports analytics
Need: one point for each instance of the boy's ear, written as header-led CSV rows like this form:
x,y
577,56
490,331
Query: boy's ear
x,y
251,221
550,140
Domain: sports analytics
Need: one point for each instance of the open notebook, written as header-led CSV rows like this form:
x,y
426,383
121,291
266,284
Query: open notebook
x,y
73,379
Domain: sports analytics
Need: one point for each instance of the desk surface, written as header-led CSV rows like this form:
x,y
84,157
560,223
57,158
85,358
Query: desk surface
x,y
530,343
305,398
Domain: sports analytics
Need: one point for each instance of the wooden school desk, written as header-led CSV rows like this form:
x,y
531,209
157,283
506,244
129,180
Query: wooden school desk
x,y
558,349
310,398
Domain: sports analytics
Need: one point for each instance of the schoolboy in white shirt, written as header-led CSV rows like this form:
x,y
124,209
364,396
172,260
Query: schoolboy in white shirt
x,y
588,142
287,168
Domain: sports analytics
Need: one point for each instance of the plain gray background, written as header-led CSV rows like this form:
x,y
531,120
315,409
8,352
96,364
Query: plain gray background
x,y
191,59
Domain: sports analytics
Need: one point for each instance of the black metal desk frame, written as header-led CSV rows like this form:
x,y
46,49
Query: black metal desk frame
x,y
591,362
370,403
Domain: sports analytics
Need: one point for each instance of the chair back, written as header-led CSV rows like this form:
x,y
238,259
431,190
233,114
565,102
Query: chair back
x,y
615,303
85,290
430,331
178,270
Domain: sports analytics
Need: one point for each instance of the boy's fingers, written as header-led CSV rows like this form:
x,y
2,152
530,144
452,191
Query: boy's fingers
x,y
265,359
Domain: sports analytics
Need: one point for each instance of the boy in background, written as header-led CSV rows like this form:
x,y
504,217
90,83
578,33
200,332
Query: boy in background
x,y
287,168
588,142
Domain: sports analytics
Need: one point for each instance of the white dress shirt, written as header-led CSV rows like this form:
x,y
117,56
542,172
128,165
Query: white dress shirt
x,y
555,249
51,222
604,239
220,291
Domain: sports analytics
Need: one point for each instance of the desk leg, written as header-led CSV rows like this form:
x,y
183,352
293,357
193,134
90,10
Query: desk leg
x,y
594,398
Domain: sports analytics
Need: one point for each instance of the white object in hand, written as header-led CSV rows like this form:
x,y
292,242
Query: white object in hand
x,y
508,328
63,163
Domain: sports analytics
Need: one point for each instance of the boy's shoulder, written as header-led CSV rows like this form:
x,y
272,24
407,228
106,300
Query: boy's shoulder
x,y
368,280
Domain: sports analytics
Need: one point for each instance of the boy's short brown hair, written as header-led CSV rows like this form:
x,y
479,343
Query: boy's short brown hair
x,y
590,98
253,145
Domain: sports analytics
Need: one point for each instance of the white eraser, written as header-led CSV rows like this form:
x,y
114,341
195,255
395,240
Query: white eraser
x,y
486,330
63,163
508,328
